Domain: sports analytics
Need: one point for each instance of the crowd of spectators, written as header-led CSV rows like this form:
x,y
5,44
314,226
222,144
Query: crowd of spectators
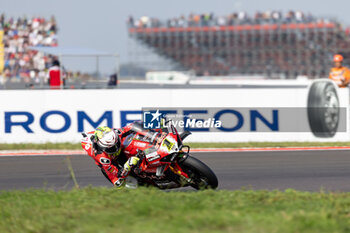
x,y
19,34
237,18
298,50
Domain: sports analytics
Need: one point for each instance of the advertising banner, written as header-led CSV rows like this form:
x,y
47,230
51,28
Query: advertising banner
x,y
256,114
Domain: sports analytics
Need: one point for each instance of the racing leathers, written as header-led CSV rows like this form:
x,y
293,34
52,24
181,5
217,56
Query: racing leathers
x,y
112,161
340,75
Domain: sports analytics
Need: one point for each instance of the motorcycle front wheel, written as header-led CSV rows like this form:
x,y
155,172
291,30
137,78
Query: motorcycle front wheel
x,y
202,176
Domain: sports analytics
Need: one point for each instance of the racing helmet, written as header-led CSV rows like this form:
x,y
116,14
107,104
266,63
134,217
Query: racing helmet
x,y
107,139
338,58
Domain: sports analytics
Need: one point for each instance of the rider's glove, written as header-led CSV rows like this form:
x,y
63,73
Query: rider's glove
x,y
132,161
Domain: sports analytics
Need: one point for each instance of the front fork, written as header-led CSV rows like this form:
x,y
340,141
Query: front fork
x,y
184,178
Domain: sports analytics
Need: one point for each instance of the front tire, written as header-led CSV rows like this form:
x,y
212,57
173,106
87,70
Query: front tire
x,y
201,174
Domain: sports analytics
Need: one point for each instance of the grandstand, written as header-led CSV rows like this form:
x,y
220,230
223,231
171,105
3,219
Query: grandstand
x,y
16,36
2,55
272,45
28,48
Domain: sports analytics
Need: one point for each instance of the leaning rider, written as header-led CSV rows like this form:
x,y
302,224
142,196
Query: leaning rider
x,y
108,140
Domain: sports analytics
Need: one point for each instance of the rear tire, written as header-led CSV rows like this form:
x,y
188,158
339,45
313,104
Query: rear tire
x,y
201,173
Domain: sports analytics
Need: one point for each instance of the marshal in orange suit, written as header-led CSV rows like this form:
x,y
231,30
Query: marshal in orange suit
x,y
339,73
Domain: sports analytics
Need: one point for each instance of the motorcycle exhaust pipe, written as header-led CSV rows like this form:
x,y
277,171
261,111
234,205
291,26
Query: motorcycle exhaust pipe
x,y
168,185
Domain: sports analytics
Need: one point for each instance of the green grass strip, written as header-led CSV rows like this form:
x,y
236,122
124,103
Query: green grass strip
x,y
148,210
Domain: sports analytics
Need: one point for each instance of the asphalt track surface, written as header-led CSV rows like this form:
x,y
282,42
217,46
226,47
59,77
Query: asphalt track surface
x,y
301,170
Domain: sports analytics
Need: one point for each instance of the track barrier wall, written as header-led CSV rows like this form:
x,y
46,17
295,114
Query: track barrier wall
x,y
39,116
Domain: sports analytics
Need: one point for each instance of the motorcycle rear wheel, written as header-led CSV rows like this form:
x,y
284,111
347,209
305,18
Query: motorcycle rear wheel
x,y
203,177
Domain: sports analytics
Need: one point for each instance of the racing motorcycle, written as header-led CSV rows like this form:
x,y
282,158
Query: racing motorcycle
x,y
165,162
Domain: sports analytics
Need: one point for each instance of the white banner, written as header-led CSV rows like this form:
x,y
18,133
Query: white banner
x,y
39,116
